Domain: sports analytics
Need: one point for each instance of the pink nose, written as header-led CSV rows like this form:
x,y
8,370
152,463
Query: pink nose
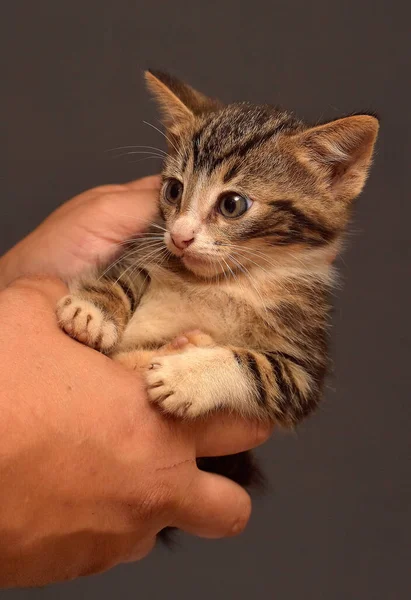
x,y
181,241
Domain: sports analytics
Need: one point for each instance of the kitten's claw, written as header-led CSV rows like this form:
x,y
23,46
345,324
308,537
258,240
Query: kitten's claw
x,y
170,386
86,323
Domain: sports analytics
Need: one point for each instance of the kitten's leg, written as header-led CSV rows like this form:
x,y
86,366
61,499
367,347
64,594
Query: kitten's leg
x,y
98,309
270,385
141,360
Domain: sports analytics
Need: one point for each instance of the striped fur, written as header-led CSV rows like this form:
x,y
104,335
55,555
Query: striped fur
x,y
257,286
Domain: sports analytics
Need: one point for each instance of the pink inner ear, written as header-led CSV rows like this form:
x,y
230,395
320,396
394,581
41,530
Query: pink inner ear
x,y
342,142
343,150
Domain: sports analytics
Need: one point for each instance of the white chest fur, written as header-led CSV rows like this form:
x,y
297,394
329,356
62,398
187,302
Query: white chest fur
x,y
167,310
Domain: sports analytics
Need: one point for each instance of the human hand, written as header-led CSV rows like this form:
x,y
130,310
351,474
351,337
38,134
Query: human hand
x,y
83,231
89,471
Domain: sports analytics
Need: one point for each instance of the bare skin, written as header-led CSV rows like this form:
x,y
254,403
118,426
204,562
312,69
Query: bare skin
x,y
90,471
82,231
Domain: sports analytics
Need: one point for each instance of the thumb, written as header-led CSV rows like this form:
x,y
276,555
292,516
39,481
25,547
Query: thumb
x,y
130,210
213,507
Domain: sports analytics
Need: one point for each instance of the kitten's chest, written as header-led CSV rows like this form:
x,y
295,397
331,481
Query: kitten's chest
x,y
167,310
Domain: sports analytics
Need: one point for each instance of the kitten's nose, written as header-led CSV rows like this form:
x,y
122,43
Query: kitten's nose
x,y
182,241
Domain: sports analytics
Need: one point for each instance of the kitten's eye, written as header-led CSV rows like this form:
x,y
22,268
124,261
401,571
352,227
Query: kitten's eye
x,y
173,191
232,205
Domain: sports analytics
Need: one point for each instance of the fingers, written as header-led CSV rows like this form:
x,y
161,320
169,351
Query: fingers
x,y
213,507
223,434
153,182
127,213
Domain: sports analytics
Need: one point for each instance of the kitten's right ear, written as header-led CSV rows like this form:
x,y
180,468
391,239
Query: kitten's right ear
x,y
179,102
341,150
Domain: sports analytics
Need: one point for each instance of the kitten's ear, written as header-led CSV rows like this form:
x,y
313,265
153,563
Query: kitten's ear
x,y
179,102
342,150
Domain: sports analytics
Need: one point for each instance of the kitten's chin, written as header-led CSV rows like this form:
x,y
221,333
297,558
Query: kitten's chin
x,y
202,267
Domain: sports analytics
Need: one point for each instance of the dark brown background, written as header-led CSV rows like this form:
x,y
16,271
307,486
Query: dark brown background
x,y
335,525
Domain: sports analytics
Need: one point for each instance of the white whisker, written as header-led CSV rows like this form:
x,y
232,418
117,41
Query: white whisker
x,y
163,134
137,148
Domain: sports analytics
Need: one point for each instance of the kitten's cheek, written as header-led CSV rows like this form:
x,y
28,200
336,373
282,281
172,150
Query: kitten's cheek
x,y
170,246
167,239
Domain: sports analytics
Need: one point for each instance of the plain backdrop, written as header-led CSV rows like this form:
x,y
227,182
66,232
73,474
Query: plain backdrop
x,y
335,524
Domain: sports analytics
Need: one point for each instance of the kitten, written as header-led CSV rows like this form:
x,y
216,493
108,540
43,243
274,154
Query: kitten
x,y
225,302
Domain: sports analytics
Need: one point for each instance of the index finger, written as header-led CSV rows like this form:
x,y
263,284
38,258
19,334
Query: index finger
x,y
152,182
223,434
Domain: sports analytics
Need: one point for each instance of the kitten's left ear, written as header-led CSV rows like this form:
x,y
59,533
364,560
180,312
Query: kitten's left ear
x,y
179,102
341,150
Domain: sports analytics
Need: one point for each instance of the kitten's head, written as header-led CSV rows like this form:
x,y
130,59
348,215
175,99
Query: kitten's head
x,y
248,185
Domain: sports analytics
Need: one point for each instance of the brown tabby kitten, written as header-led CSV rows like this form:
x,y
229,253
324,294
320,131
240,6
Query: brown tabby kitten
x,y
253,207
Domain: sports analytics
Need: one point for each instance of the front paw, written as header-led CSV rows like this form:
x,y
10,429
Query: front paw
x,y
173,382
87,323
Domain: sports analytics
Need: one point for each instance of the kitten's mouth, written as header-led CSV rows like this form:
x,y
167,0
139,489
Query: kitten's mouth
x,y
200,264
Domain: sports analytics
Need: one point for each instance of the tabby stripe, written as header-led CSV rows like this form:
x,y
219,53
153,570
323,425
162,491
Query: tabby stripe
x,y
213,130
231,173
93,289
103,293
128,291
196,144
293,359
185,159
302,405
242,150
107,289
303,220
254,369
279,377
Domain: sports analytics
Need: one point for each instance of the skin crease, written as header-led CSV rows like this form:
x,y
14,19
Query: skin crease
x,y
77,429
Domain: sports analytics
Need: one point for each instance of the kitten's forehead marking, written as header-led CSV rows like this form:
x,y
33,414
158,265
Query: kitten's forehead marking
x,y
201,194
233,132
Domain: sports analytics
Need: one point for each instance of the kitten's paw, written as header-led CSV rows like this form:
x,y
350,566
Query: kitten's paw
x,y
140,360
175,384
86,323
136,360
